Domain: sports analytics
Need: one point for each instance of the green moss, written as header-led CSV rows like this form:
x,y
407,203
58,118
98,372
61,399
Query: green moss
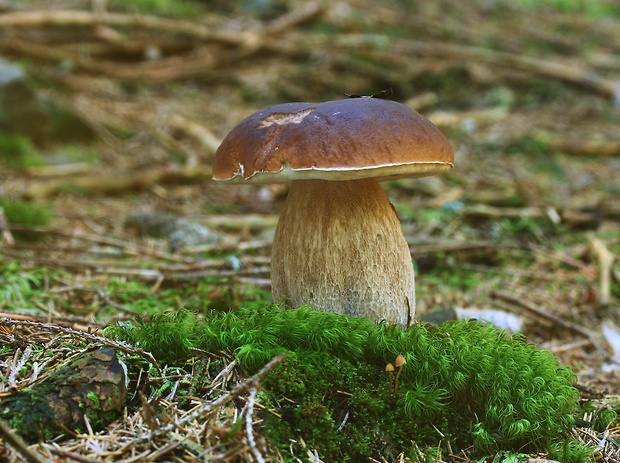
x,y
481,388
176,8
92,396
602,415
448,85
27,289
26,214
19,287
18,152
590,9
539,92
524,228
529,144
91,386
168,336
210,294
29,423
444,275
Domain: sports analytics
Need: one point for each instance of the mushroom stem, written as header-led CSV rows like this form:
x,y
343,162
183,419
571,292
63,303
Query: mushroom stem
x,y
396,380
389,368
399,362
339,246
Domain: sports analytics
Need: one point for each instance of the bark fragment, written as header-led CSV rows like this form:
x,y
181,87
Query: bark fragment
x,y
93,385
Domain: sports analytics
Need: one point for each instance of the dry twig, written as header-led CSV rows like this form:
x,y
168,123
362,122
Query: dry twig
x,y
504,60
18,444
605,261
66,18
83,335
590,148
249,417
208,407
120,184
547,315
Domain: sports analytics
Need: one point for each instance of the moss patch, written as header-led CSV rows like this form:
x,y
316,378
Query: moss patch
x,y
26,214
480,388
18,152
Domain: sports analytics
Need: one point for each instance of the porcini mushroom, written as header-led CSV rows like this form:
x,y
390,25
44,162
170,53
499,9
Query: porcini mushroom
x,y
338,245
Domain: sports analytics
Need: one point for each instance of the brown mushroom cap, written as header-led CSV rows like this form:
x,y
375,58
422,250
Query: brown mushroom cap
x,y
349,254
337,140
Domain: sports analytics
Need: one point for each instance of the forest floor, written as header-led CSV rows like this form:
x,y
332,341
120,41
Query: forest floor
x,y
527,224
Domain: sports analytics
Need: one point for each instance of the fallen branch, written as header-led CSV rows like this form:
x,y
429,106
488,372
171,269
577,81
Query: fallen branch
x,y
73,18
457,119
539,312
194,30
64,324
590,148
119,184
60,170
240,222
190,273
505,60
547,315
199,62
200,133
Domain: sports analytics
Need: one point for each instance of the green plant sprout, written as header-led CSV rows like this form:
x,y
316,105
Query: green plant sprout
x,y
481,388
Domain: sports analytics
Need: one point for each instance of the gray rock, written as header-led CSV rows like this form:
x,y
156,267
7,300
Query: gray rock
x,y
189,234
180,233
155,224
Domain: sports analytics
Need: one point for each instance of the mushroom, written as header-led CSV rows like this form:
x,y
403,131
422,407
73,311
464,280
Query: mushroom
x,y
399,363
338,245
389,368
